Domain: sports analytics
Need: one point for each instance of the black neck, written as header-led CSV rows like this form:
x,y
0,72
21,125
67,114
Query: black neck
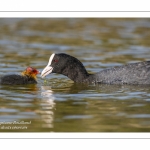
x,y
75,71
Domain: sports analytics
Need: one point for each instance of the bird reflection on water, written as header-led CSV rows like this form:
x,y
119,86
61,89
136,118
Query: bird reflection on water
x,y
48,106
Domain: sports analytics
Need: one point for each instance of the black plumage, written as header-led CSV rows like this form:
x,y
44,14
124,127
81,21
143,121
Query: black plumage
x,y
28,77
134,73
15,79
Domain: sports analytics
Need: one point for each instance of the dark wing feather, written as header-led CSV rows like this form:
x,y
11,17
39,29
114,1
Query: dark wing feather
x,y
136,73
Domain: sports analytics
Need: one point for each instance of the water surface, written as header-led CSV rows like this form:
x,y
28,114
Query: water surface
x,y
56,104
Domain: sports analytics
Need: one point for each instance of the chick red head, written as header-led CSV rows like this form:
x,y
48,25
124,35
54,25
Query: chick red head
x,y
32,72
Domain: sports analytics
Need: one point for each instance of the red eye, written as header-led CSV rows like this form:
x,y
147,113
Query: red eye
x,y
55,60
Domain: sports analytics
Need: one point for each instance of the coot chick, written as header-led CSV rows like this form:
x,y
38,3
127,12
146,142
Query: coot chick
x,y
134,73
27,77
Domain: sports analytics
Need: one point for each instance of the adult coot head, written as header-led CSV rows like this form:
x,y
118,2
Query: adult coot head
x,y
67,65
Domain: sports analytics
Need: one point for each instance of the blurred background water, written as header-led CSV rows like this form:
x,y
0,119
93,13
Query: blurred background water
x,y
56,104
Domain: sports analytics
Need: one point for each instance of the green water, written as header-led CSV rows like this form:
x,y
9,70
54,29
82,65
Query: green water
x,y
56,104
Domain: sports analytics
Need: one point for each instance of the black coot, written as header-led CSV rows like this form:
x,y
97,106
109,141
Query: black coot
x,y
28,77
134,73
